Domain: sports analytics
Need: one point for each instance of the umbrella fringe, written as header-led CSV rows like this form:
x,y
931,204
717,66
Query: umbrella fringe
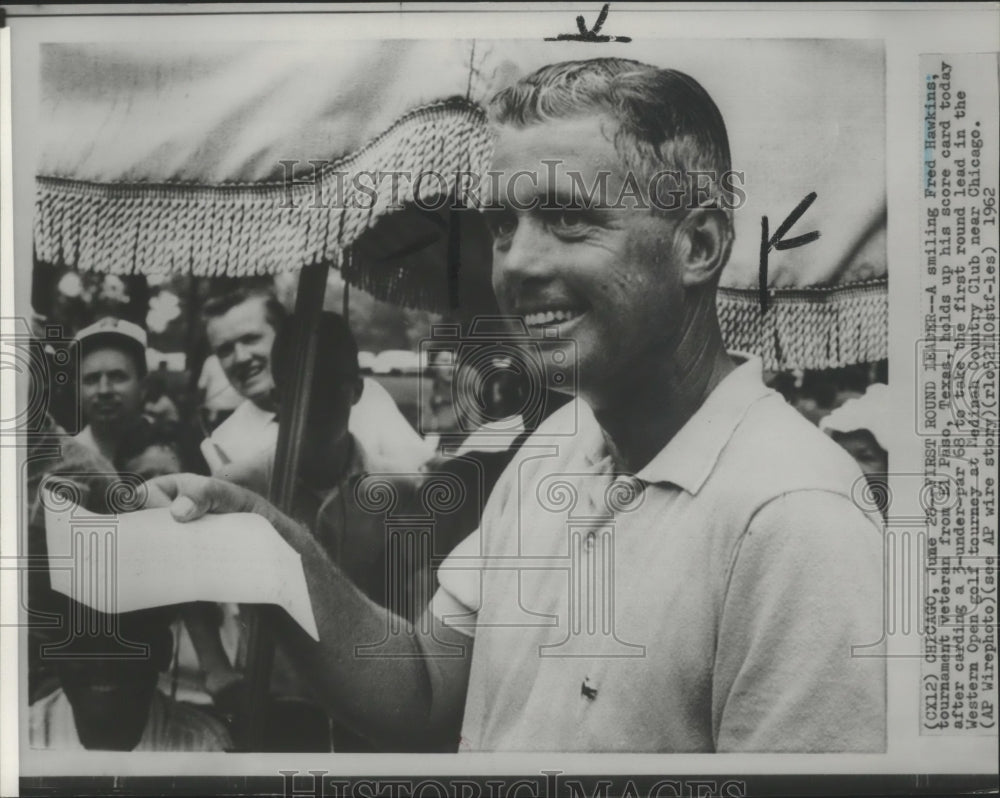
x,y
815,328
252,229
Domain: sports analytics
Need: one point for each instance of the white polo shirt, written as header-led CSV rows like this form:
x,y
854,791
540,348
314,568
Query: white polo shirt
x,y
708,603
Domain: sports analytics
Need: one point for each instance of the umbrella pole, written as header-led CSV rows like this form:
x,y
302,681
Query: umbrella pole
x,y
294,404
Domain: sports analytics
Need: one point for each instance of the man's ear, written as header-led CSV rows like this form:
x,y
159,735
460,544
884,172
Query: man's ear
x,y
704,240
359,387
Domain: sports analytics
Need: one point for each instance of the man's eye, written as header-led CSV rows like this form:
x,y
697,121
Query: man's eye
x,y
567,221
500,222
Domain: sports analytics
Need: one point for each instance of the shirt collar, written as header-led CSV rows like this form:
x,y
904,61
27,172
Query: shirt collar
x,y
691,455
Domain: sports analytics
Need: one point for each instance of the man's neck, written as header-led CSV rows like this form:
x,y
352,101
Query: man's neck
x,y
106,439
647,411
265,403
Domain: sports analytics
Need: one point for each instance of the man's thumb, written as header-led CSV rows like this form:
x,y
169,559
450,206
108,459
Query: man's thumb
x,y
183,508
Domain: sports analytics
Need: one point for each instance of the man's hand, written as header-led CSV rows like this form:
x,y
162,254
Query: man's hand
x,y
190,496
395,699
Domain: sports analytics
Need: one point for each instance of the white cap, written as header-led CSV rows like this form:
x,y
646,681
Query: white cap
x,y
112,326
870,412
116,332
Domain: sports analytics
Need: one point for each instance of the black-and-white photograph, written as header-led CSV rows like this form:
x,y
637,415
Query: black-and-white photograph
x,y
446,394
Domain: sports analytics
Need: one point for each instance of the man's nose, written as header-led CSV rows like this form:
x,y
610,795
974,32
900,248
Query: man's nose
x,y
241,353
104,385
526,255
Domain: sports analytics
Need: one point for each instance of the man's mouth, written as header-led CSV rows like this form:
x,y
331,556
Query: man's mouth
x,y
552,317
251,371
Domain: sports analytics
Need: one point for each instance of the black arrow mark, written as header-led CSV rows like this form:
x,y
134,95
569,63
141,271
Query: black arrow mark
x,y
779,243
591,35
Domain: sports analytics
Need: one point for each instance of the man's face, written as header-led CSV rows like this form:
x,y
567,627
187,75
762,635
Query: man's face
x,y
601,276
109,688
111,389
110,699
242,338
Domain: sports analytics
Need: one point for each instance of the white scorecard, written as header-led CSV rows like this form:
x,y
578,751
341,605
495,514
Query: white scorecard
x,y
132,561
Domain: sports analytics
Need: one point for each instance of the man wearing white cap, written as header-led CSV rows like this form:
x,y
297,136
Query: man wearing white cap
x,y
112,370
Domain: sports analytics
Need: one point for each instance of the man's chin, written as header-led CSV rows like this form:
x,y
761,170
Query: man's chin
x,y
108,418
114,723
123,737
257,390
265,401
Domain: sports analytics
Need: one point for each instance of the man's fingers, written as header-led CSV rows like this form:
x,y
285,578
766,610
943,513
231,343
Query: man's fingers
x,y
184,508
190,496
180,492
160,492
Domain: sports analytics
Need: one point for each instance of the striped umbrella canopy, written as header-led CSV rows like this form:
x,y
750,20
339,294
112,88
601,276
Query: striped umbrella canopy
x,y
253,158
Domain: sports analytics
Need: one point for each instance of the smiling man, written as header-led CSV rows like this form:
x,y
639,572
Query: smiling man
x,y
112,371
240,327
715,595
108,698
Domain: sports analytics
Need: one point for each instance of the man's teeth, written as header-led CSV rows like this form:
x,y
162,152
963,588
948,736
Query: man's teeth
x,y
550,317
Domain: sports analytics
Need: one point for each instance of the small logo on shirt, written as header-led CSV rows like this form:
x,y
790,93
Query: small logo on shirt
x,y
587,690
